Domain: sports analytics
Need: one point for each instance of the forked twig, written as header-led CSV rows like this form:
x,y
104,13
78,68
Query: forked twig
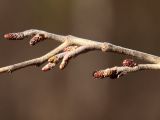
x,y
72,46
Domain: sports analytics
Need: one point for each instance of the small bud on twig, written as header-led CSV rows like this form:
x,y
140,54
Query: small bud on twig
x,y
63,64
70,48
48,67
37,38
105,73
14,36
53,59
98,74
129,63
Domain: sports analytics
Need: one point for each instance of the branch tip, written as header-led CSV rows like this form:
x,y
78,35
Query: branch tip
x,y
37,38
48,67
63,64
105,73
14,36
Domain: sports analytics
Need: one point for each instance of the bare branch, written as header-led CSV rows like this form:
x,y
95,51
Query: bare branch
x,y
36,61
74,53
72,46
116,72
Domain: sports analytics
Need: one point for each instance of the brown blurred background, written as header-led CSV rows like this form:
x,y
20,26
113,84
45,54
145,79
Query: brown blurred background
x,y
72,94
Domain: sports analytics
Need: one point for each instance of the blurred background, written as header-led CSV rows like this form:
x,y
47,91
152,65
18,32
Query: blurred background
x,y
73,94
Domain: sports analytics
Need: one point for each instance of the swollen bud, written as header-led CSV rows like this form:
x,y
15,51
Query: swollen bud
x,y
14,36
37,38
129,63
105,73
48,67
98,74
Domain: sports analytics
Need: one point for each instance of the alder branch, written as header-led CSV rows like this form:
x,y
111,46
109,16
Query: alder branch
x,y
116,72
72,46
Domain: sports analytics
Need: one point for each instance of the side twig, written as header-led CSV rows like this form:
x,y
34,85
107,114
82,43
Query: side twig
x,y
72,46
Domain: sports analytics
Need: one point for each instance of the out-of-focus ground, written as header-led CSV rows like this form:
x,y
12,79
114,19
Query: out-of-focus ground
x,y
72,94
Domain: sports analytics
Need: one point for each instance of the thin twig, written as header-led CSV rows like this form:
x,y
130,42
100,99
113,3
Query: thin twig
x,y
36,61
82,46
116,72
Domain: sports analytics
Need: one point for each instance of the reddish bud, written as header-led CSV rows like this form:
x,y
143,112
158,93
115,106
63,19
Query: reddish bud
x,y
48,67
37,38
70,48
14,36
129,63
105,73
98,74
